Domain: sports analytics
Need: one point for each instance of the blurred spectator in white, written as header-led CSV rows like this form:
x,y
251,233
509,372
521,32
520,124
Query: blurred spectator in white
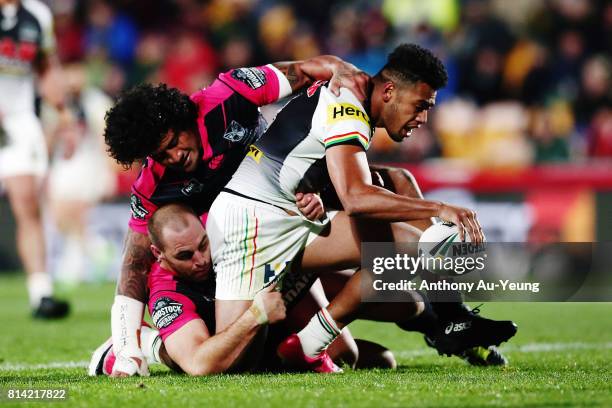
x,y
78,183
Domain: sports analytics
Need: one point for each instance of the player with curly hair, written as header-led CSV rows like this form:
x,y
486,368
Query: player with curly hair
x,y
190,146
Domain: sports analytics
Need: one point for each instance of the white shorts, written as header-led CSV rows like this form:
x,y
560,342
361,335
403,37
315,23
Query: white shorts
x,y
24,150
253,243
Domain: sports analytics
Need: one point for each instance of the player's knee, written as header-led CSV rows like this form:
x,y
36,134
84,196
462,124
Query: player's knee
x,y
373,355
25,208
27,214
403,179
419,307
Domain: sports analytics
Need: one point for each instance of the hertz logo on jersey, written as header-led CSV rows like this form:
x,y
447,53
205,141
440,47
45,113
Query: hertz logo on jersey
x,y
345,111
255,153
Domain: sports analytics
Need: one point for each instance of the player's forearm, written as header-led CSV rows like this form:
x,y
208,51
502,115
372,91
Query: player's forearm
x,y
301,73
219,353
374,202
137,260
295,75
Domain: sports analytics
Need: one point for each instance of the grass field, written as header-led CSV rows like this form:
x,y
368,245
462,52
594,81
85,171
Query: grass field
x,y
561,356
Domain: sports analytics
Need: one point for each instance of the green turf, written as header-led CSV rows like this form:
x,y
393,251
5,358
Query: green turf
x,y
562,356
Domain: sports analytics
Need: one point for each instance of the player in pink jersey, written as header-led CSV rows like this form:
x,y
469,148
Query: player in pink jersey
x,y
191,147
133,131
181,305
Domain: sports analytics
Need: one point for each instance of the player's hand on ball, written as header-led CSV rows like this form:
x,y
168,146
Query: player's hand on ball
x,y
347,75
310,205
465,220
129,364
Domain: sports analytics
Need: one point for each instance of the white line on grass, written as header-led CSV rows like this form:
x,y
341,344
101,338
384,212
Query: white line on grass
x,y
525,348
45,366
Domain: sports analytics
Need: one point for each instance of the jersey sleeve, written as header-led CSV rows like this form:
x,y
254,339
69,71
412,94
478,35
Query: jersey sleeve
x,y
142,208
345,121
170,311
45,18
260,85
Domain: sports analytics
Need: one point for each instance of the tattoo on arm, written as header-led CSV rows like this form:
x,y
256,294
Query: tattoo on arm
x,y
137,260
296,77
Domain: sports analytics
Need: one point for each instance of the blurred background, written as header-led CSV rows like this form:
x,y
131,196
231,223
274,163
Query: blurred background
x,y
522,133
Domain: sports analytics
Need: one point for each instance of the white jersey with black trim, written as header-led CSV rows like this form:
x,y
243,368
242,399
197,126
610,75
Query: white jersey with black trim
x,y
290,156
26,32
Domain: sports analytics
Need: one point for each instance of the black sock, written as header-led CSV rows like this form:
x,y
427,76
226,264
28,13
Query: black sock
x,y
447,310
426,323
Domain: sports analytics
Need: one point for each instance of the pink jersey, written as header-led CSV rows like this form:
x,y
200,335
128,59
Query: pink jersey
x,y
174,302
228,122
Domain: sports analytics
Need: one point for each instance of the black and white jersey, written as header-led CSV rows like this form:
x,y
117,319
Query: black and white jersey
x,y
290,156
26,31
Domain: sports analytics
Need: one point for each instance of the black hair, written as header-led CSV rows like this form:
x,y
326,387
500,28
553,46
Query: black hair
x,y
411,63
143,115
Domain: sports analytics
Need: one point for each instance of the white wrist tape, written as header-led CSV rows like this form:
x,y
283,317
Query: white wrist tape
x,y
259,310
126,316
131,365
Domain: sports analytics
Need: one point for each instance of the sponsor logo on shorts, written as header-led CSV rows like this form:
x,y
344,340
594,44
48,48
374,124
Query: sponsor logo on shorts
x,y
253,77
138,210
294,285
255,153
346,111
166,311
193,186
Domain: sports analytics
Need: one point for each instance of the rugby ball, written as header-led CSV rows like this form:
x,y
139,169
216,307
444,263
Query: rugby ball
x,y
443,253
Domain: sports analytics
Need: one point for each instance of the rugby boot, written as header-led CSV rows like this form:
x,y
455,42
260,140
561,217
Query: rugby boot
x,y
467,329
51,308
291,352
103,360
479,356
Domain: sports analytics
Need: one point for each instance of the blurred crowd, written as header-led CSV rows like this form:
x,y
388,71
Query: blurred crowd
x,y
529,80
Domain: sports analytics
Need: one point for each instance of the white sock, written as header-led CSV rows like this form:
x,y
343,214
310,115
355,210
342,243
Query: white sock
x,y
151,342
320,331
126,317
39,286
